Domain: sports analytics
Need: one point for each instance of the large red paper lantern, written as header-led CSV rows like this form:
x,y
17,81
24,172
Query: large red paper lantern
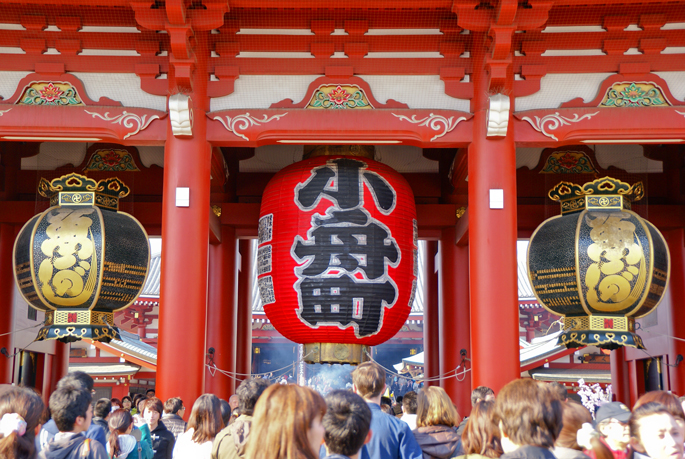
x,y
337,256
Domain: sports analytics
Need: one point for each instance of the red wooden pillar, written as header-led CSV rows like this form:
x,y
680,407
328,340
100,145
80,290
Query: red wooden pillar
x,y
620,383
56,367
243,359
185,232
431,316
221,313
454,319
6,306
492,240
676,293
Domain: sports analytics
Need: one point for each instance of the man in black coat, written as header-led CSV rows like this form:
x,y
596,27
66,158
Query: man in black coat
x,y
163,441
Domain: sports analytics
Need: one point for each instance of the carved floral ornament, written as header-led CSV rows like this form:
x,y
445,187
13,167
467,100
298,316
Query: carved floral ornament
x,y
50,93
554,121
634,94
244,121
339,97
132,121
434,122
568,162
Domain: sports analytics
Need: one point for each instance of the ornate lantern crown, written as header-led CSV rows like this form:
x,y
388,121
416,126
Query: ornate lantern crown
x,y
605,193
78,190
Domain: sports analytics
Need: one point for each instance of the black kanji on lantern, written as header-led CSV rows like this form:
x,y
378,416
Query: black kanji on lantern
x,y
347,252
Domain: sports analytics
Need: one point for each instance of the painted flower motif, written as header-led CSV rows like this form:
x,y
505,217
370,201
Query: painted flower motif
x,y
50,93
338,96
633,93
568,161
111,158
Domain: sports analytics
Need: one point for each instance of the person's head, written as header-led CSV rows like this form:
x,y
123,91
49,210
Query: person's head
x,y
574,416
137,398
560,390
225,411
71,408
409,402
233,401
21,410
248,393
481,434
368,380
116,404
126,403
77,378
612,422
527,413
120,423
152,411
150,393
103,408
434,408
287,422
174,406
667,399
205,418
482,393
655,432
347,423
141,403
387,409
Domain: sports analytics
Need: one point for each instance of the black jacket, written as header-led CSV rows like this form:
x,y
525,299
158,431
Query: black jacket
x,y
163,442
529,452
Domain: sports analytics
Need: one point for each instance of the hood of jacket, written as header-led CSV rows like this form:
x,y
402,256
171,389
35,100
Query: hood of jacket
x,y
65,448
437,441
241,430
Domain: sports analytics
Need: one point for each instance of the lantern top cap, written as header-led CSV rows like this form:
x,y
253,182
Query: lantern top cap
x,y
107,191
605,186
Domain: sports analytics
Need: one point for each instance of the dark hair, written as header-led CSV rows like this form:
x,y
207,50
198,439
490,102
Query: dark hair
x,y
643,411
369,379
149,390
119,423
27,404
173,405
68,403
529,413
154,404
574,416
116,401
77,378
126,397
225,411
560,391
249,392
386,401
480,393
205,418
664,398
387,409
409,403
481,434
282,419
102,408
347,422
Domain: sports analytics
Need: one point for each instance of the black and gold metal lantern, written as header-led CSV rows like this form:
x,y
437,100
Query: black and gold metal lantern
x,y
81,260
598,264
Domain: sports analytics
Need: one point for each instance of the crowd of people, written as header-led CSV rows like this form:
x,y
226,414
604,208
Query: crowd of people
x,y
527,419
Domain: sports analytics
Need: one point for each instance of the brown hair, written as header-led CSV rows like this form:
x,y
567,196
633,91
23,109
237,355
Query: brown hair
x,y
282,418
28,404
668,400
529,413
119,422
205,418
643,411
153,404
574,416
435,408
369,379
481,434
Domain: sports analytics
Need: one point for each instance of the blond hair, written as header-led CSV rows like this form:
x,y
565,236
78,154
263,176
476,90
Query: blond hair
x,y
369,379
435,408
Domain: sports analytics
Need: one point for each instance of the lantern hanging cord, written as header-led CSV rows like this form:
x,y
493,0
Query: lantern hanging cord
x,y
256,375
22,329
441,377
639,327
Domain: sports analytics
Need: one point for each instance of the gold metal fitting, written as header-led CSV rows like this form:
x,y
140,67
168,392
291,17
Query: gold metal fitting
x,y
363,151
342,353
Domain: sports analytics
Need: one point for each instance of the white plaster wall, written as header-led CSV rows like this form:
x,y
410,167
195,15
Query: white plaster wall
x,y
56,154
559,88
24,339
122,87
676,83
9,82
260,91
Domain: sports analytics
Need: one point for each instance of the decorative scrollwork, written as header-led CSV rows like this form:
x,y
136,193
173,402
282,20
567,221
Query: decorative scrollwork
x,y
435,122
2,112
680,113
128,120
242,122
554,121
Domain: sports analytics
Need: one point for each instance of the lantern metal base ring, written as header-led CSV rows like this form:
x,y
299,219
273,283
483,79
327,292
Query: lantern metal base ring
x,y
342,353
600,338
74,325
